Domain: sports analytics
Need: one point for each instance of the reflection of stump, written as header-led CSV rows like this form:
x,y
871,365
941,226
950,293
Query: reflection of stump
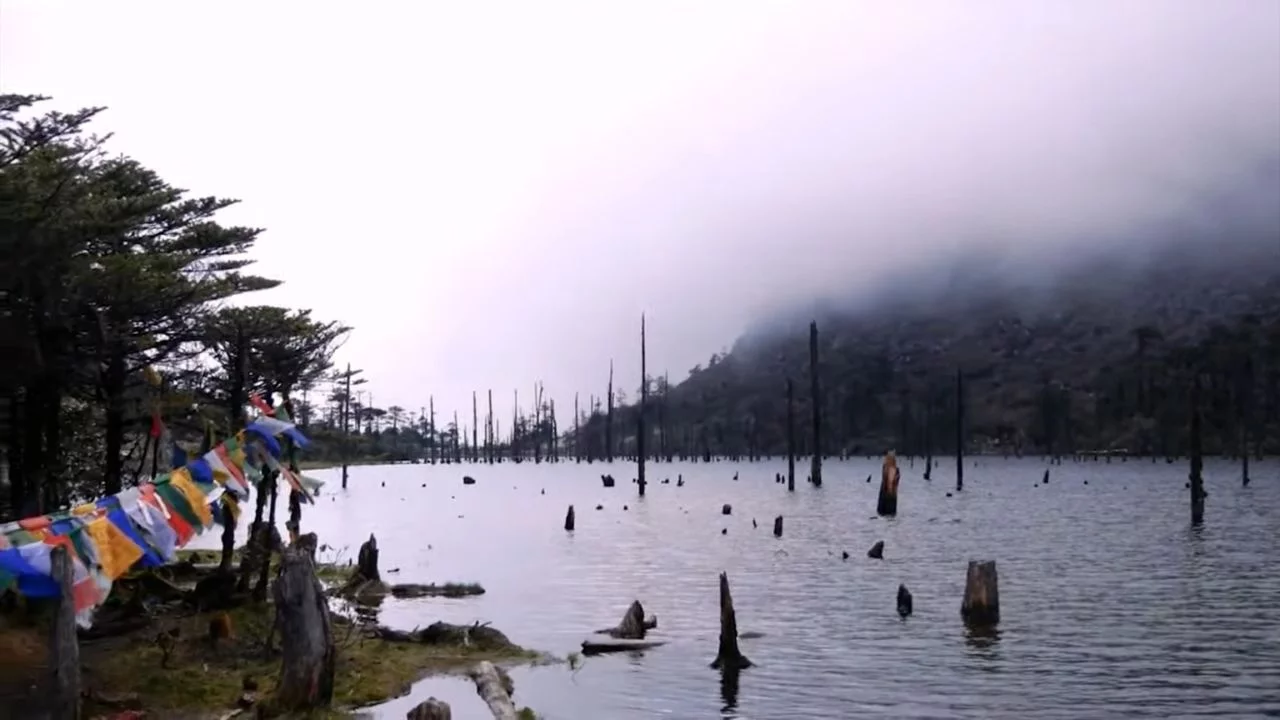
x,y
306,637
777,526
729,656
981,606
889,476
367,560
495,689
568,519
431,709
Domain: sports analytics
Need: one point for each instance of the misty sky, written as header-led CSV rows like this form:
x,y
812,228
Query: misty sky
x,y
492,193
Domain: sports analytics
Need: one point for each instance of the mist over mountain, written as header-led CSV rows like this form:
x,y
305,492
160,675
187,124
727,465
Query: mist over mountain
x,y
1088,346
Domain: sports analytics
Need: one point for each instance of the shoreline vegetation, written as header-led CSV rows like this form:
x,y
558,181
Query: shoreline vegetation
x,y
154,647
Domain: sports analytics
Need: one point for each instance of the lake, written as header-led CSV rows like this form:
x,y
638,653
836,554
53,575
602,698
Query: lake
x,y
1112,605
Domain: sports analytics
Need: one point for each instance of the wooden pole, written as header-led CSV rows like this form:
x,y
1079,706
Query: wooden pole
x,y
791,437
815,474
65,656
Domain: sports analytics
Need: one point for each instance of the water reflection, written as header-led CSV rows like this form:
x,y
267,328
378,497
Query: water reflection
x,y
729,691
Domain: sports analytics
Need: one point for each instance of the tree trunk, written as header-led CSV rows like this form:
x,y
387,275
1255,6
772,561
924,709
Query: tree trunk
x,y
306,637
65,655
815,473
981,605
729,656
367,560
644,398
568,519
887,504
1196,456
491,688
608,419
791,438
959,431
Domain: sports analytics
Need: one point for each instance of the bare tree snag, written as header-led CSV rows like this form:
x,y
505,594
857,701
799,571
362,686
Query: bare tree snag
x,y
495,689
1196,456
306,636
887,504
959,430
568,519
877,551
641,430
904,601
791,438
729,657
367,560
65,656
777,526
634,625
981,606
815,474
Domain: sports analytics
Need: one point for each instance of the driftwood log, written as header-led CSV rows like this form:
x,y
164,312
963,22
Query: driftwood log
x,y
603,645
729,657
306,635
981,605
495,688
431,709
65,655
887,504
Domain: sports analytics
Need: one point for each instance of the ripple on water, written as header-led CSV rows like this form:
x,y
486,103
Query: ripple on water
x,y
1112,606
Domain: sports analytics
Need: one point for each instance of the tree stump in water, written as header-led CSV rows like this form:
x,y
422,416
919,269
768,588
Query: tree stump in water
x,y
904,601
633,625
431,709
65,655
981,606
777,526
306,636
495,689
877,551
726,509
568,519
887,504
729,657
367,561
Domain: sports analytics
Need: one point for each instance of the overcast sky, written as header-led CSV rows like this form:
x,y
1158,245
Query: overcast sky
x,y
492,193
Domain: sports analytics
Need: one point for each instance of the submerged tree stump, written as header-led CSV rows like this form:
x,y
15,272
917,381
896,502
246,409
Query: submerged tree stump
x,y
981,606
729,657
877,551
568,519
65,655
904,601
633,625
777,526
306,636
431,709
887,504
367,560
495,689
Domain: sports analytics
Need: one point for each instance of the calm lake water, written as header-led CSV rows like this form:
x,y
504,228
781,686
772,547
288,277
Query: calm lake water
x,y
1111,604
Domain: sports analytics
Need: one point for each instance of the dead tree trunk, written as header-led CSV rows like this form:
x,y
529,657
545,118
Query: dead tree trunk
x,y
791,437
959,431
494,689
568,519
306,637
815,474
981,605
1196,455
367,560
729,657
644,399
608,419
65,648
633,625
887,504
777,526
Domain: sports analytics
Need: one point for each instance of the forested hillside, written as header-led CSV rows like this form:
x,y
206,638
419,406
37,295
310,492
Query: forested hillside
x,y
1088,356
